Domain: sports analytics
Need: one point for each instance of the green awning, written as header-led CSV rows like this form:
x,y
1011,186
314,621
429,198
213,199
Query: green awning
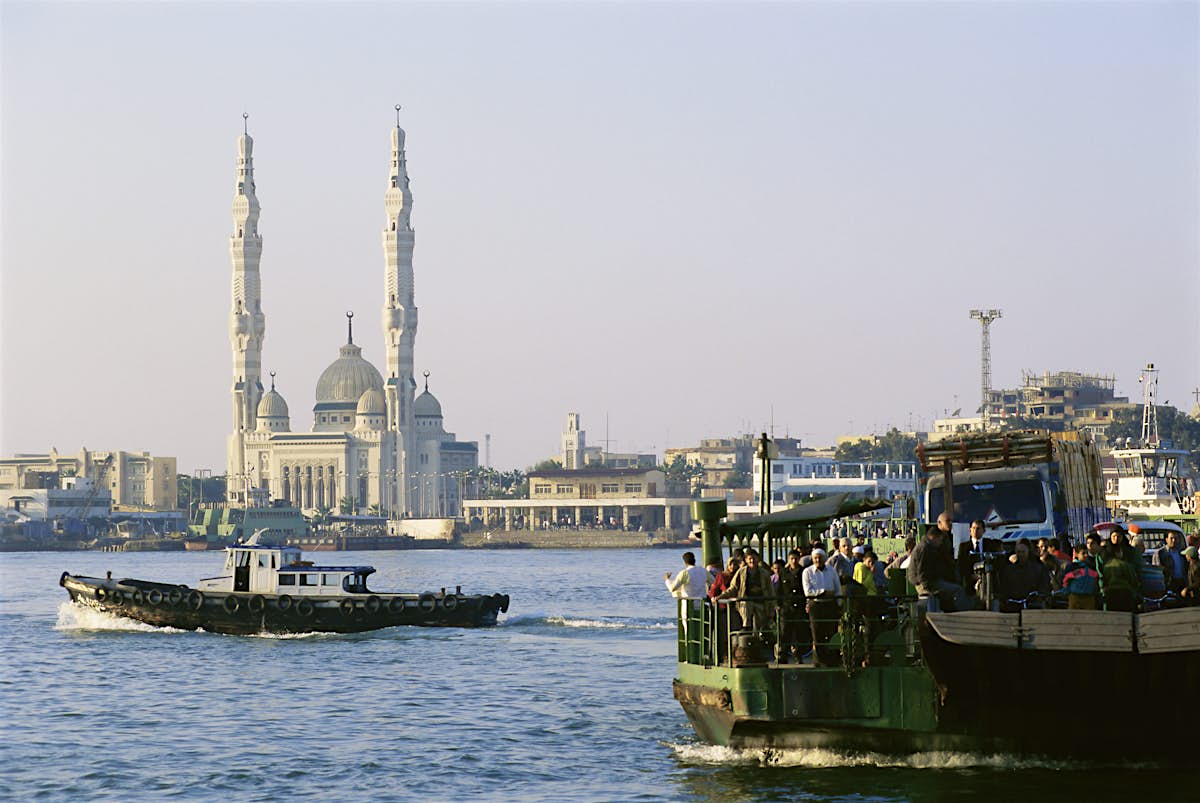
x,y
810,515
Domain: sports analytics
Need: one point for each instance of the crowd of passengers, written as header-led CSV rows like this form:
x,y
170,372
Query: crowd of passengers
x,y
803,594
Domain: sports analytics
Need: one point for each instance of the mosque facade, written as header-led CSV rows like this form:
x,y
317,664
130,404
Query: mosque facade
x,y
375,445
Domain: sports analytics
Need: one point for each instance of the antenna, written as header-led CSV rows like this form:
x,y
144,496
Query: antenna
x,y
985,318
1149,380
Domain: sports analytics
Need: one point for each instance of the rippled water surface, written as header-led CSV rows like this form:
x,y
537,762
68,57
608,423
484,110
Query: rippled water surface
x,y
568,699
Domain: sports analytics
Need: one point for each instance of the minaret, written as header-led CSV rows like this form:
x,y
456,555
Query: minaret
x,y
247,325
399,315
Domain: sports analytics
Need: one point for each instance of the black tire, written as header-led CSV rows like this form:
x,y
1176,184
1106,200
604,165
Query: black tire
x,y
450,602
138,597
427,602
256,604
284,602
195,600
346,606
232,604
62,578
372,604
154,596
504,603
395,605
304,608
174,596
101,594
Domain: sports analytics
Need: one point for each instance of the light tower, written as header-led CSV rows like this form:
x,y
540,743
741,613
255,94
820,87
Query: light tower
x,y
985,318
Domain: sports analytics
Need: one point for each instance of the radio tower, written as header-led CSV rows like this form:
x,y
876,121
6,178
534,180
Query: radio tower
x,y
985,318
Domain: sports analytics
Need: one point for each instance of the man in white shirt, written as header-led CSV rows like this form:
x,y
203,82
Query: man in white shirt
x,y
691,584
822,588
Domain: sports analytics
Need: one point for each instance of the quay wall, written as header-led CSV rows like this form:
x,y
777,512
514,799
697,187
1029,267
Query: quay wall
x,y
571,538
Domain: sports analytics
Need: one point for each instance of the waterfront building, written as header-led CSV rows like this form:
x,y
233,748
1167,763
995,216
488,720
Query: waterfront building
x,y
626,498
800,479
137,481
726,458
78,498
577,454
374,445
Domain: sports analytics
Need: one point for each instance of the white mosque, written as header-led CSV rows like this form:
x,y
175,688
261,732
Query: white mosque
x,y
371,441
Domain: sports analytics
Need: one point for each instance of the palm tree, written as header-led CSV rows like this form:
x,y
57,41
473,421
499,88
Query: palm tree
x,y
346,506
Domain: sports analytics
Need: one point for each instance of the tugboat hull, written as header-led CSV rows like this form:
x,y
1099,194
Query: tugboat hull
x,y
241,613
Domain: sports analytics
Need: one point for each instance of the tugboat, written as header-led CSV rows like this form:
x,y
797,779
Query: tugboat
x,y
919,679
269,589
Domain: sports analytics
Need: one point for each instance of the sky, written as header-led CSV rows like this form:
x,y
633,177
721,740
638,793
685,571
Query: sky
x,y
680,220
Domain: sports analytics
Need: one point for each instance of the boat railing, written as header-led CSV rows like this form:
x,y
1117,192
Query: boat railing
x,y
856,630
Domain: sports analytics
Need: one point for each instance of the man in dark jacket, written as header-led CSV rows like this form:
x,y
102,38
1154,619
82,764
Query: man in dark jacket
x,y
1022,577
931,571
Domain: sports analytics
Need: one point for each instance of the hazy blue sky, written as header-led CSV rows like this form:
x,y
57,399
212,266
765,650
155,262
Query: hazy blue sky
x,y
679,215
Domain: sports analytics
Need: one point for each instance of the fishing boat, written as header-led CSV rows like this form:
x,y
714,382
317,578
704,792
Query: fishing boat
x,y
908,677
270,589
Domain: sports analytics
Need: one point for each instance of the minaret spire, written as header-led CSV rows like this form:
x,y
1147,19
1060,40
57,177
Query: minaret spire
x,y
399,320
349,326
247,324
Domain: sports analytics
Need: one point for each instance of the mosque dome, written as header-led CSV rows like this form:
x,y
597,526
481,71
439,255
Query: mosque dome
x,y
272,405
427,406
348,378
371,403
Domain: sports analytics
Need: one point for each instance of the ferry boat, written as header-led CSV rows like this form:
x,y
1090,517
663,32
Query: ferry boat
x,y
1048,681
1153,481
269,589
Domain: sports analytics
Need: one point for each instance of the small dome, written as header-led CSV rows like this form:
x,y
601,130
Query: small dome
x,y
348,377
371,403
427,406
272,405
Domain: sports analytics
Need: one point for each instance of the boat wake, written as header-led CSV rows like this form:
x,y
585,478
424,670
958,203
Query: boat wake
x,y
81,617
822,759
593,623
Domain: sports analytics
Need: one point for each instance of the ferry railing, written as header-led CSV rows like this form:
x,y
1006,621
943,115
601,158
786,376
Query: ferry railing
x,y
856,631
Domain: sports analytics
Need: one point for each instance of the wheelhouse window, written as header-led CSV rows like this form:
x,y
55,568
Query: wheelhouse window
x,y
308,579
329,579
287,579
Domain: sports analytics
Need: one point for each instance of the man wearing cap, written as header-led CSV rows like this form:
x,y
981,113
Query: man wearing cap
x,y
822,588
1191,591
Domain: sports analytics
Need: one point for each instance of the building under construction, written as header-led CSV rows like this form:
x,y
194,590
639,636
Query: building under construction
x,y
1062,400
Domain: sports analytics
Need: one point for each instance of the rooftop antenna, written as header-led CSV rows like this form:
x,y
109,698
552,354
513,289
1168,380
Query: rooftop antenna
x,y
1149,380
349,326
985,318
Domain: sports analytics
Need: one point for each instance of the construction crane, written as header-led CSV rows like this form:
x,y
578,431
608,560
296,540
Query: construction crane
x,y
102,467
985,318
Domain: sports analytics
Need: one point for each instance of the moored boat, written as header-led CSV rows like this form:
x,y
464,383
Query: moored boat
x,y
269,589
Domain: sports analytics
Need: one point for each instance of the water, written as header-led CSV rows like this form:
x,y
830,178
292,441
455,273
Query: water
x,y
569,699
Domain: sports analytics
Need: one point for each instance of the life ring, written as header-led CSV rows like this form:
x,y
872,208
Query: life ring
x,y
450,602
175,596
304,608
427,602
346,606
372,604
284,602
154,597
396,604
256,604
195,600
232,604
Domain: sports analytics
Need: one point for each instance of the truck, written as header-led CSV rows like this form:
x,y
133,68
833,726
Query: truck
x,y
1020,483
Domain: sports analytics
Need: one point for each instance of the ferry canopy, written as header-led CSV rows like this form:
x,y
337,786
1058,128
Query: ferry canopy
x,y
808,516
